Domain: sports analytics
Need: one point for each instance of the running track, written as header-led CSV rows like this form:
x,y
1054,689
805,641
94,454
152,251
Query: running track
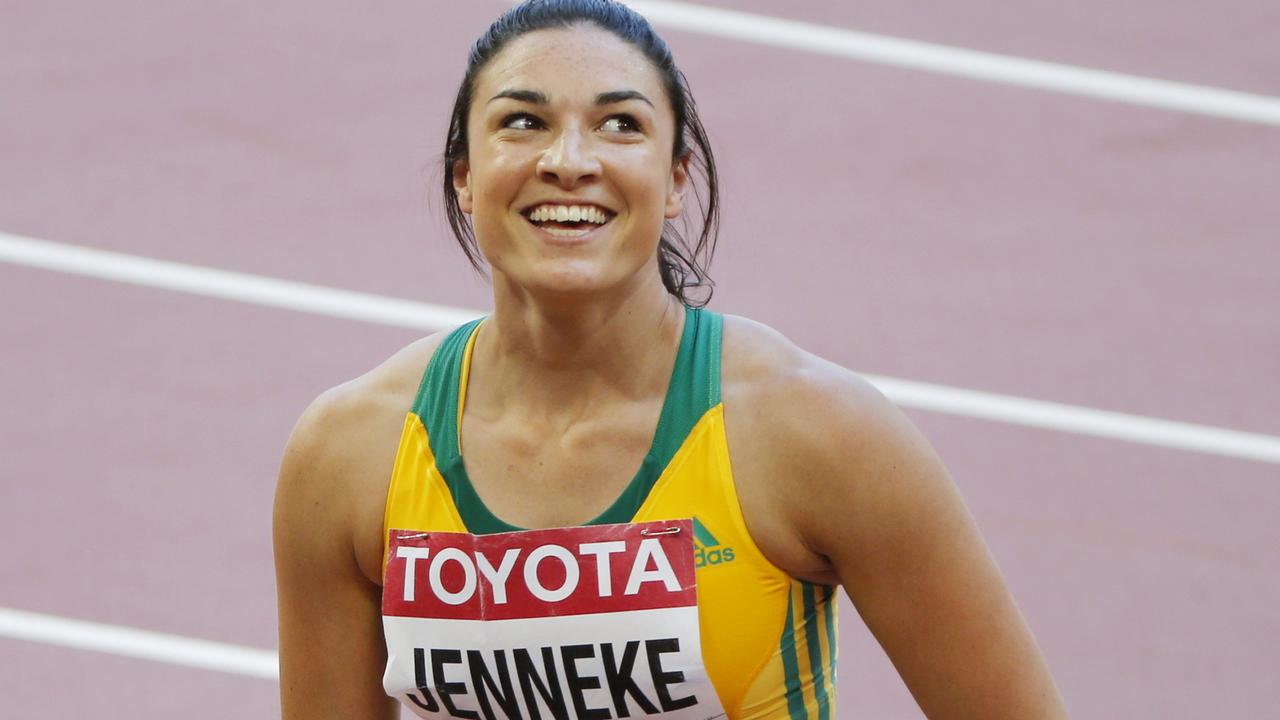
x,y
902,222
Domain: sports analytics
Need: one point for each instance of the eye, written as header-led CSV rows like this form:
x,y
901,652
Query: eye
x,y
521,121
621,124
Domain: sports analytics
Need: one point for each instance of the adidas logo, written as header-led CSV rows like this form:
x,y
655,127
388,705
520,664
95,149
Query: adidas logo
x,y
708,550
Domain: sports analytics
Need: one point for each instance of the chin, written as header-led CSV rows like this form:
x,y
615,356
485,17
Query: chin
x,y
578,281
570,283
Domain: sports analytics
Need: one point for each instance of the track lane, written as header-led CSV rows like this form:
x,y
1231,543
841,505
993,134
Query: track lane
x,y
142,497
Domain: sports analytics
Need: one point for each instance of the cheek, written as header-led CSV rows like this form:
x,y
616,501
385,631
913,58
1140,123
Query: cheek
x,y
646,181
656,193
496,176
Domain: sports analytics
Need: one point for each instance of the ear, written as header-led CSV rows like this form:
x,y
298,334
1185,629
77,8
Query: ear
x,y
462,184
679,181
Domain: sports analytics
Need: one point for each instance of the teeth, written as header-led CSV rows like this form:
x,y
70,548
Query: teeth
x,y
568,213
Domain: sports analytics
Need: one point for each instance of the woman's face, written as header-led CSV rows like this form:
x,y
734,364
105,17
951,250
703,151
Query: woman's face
x,y
569,174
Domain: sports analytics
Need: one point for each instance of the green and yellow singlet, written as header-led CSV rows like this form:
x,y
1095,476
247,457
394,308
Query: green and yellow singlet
x,y
767,641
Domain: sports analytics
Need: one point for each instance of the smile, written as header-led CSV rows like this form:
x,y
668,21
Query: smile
x,y
567,221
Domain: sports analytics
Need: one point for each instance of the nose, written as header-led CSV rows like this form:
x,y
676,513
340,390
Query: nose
x,y
569,161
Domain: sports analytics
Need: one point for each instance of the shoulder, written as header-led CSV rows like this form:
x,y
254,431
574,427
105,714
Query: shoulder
x,y
337,422
763,369
338,460
800,428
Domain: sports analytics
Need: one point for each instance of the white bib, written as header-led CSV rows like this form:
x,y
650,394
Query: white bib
x,y
593,622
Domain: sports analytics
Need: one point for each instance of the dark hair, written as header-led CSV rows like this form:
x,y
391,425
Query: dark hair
x,y
683,266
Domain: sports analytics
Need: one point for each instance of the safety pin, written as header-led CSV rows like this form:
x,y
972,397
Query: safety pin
x,y
665,531
419,536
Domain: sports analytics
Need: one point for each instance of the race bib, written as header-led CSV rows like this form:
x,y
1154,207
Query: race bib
x,y
592,622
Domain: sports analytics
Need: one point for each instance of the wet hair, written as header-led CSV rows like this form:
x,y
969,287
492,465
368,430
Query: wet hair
x,y
683,264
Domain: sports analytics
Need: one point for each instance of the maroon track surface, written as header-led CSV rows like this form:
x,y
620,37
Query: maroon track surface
x,y
896,222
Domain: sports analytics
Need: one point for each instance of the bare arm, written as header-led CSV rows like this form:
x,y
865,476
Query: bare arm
x,y
839,487
331,646
902,543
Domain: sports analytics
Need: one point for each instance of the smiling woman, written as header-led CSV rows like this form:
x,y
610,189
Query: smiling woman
x,y
626,39
603,499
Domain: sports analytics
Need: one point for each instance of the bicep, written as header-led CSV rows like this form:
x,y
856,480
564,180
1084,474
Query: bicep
x,y
910,556
331,648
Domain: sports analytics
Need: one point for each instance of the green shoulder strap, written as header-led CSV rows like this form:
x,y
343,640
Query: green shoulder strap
x,y
437,401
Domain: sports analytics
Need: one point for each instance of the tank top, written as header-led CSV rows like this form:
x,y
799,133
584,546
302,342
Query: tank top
x,y
663,605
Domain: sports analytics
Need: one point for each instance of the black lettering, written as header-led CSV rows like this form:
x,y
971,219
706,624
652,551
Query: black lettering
x,y
620,682
482,681
550,690
570,654
661,678
440,658
420,679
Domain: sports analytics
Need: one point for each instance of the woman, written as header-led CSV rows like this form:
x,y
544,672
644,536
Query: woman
x,y
689,518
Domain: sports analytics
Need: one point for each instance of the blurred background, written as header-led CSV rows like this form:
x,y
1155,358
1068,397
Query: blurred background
x,y
1085,236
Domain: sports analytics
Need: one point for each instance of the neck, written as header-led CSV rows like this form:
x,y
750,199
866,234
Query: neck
x,y
561,355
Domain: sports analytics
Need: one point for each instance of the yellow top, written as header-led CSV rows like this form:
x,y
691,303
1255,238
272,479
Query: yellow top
x,y
768,640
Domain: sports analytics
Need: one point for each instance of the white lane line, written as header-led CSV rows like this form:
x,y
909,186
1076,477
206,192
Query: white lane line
x,y
135,643
381,310
961,62
1079,420
241,287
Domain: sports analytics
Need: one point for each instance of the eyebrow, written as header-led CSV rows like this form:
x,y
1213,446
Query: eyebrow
x,y
617,96
529,96
534,97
